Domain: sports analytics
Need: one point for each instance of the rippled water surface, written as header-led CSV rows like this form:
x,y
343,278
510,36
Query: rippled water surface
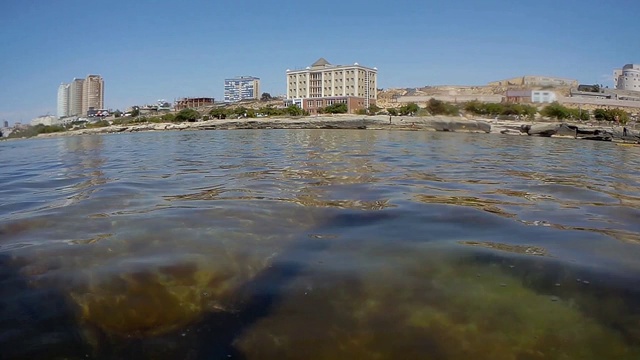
x,y
319,244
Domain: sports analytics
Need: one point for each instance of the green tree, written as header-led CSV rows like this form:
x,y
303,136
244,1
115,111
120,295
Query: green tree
x,y
294,110
187,115
135,111
494,109
270,110
392,111
619,116
475,107
265,96
373,109
600,114
240,111
168,117
340,108
409,109
218,113
555,110
437,107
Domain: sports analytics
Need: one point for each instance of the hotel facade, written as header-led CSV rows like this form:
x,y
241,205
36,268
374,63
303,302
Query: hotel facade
x,y
323,84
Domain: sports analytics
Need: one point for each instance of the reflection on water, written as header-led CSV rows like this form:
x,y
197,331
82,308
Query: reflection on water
x,y
356,244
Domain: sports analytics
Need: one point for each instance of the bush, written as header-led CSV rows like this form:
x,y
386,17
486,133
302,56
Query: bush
x,y
269,110
168,117
98,124
373,109
501,110
340,108
392,111
218,113
437,107
408,109
555,110
617,115
294,110
187,115
121,121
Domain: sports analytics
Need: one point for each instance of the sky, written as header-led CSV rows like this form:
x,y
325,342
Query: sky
x,y
149,50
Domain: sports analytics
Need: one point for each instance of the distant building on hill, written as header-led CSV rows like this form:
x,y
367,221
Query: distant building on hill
x,y
529,80
46,120
192,103
530,96
241,88
627,78
323,84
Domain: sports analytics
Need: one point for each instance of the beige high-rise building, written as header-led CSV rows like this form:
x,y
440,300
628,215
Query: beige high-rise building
x,y
92,94
323,84
75,97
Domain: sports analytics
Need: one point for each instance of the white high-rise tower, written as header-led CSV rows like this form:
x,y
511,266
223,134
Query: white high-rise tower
x,y
63,100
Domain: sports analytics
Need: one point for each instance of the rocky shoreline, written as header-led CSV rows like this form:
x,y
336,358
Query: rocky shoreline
x,y
381,122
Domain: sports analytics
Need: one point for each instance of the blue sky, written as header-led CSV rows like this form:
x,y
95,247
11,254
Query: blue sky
x,y
149,50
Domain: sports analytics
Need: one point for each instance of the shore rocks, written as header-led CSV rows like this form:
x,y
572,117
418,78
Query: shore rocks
x,y
458,125
385,122
579,132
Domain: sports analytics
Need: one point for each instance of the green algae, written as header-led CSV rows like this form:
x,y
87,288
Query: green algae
x,y
434,306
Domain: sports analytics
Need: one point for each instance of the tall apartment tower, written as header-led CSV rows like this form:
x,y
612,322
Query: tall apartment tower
x,y
241,88
323,84
75,97
92,94
63,100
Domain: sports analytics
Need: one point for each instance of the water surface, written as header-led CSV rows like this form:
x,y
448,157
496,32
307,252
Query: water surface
x,y
319,244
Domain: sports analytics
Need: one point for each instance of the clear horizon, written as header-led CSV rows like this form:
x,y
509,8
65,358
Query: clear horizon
x,y
150,50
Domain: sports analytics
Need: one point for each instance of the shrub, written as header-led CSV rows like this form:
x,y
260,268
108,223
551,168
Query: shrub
x,y
340,108
437,107
294,110
168,117
187,115
98,124
555,110
617,115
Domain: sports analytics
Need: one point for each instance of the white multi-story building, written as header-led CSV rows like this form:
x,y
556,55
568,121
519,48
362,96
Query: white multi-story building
x,y
63,100
241,88
323,84
627,78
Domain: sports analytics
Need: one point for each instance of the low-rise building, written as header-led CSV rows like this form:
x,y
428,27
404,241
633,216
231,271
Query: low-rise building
x,y
530,96
193,103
